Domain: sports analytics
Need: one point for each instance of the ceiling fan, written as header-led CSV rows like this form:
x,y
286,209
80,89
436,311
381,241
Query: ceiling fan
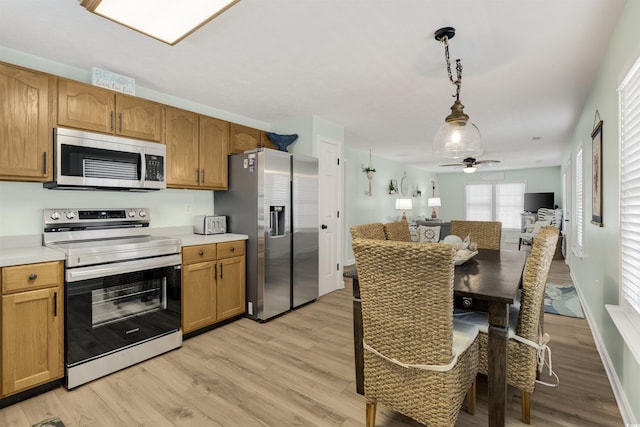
x,y
470,164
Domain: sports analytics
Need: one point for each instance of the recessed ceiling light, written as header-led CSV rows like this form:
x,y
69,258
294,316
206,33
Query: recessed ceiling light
x,y
536,138
169,21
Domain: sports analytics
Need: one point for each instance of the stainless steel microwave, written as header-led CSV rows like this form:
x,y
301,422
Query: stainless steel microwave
x,y
87,160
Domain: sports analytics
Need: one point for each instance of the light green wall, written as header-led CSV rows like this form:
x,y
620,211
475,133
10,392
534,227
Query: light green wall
x,y
597,272
452,186
21,205
380,206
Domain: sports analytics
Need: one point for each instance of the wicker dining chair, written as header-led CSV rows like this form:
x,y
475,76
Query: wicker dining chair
x,y
415,361
398,231
526,337
487,234
368,231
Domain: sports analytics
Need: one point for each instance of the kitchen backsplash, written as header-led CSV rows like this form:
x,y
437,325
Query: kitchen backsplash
x,y
21,205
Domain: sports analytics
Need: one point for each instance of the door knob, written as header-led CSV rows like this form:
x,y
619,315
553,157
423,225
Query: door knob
x,y
324,226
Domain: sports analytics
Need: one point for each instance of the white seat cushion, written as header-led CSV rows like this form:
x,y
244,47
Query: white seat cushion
x,y
481,320
463,335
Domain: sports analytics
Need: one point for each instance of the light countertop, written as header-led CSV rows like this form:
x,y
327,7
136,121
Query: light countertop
x,y
18,251
28,255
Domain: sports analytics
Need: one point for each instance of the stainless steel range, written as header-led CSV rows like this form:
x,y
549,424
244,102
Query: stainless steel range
x,y
122,289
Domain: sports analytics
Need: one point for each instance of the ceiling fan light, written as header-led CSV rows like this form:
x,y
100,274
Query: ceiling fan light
x,y
469,169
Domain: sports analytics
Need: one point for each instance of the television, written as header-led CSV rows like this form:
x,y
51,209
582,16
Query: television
x,y
535,201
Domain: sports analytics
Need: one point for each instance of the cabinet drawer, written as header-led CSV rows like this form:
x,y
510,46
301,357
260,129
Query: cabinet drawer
x,y
199,253
31,276
229,249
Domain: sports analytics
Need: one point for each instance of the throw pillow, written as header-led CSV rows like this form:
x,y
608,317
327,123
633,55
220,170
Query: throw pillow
x,y
429,234
539,224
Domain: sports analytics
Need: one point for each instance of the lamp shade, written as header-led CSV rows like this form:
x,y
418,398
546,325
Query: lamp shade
x,y
434,202
404,204
457,139
469,169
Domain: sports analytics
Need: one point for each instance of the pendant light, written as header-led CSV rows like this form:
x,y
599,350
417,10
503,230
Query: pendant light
x,y
458,137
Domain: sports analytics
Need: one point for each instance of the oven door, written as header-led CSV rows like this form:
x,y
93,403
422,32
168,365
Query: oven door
x,y
113,306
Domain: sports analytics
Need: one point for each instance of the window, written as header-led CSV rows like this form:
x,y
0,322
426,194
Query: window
x,y
479,202
579,202
626,315
508,205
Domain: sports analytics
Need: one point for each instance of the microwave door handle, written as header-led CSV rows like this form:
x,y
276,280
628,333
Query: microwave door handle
x,y
143,168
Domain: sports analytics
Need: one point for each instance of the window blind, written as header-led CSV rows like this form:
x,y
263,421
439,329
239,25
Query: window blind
x,y
579,211
479,202
509,204
629,98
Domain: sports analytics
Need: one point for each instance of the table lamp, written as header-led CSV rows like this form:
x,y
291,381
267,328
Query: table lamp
x,y
434,202
404,205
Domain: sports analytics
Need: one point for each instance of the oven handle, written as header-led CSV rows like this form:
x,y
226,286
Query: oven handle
x,y
96,271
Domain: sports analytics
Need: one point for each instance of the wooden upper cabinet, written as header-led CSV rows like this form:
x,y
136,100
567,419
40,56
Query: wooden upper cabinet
x,y
181,138
138,118
243,138
25,127
197,149
214,151
92,108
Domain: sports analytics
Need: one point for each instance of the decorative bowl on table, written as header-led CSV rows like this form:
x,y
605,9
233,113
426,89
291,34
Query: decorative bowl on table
x,y
463,255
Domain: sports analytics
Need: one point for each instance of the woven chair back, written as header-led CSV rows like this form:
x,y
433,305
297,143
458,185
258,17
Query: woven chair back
x,y
397,231
368,231
407,299
487,234
534,282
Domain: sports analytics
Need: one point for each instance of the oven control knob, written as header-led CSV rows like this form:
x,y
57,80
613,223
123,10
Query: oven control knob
x,y
71,215
142,214
55,215
131,214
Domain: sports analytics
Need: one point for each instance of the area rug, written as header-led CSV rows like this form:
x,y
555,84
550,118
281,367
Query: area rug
x,y
51,422
562,300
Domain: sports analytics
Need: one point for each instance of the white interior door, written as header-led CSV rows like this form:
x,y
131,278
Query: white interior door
x,y
330,200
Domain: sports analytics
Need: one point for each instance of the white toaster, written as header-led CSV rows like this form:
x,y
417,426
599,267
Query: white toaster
x,y
208,224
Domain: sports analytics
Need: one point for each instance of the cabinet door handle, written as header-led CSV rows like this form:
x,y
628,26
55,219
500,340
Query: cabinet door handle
x,y
111,120
215,270
233,249
221,270
44,163
202,176
55,304
33,276
197,176
201,253
120,122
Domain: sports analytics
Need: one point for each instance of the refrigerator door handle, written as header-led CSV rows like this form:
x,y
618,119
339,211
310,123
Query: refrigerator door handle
x,y
274,223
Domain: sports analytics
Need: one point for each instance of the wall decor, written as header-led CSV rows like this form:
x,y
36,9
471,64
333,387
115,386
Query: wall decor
x,y
393,186
596,183
404,184
370,171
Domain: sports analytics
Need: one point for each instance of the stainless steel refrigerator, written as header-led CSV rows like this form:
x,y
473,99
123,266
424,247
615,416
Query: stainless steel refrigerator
x,y
273,198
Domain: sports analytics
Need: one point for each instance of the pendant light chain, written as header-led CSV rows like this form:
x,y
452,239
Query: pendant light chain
x,y
457,82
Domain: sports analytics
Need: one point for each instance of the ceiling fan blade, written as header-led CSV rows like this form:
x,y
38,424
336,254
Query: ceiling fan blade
x,y
487,161
454,164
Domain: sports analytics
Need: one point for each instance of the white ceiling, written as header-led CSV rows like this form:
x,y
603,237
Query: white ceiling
x,y
371,66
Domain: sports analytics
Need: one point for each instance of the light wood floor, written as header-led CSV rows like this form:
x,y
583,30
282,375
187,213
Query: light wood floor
x,y
297,370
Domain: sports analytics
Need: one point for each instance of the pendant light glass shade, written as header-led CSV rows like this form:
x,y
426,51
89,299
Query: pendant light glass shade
x,y
457,138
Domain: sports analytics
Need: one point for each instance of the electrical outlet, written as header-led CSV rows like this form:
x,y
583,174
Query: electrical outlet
x,y
187,209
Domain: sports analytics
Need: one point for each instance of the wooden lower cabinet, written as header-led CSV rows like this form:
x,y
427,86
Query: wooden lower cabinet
x,y
32,326
213,283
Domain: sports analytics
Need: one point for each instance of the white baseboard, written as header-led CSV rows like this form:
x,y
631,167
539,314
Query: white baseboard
x,y
621,398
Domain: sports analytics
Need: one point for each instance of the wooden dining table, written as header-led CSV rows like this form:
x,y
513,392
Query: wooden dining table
x,y
487,282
